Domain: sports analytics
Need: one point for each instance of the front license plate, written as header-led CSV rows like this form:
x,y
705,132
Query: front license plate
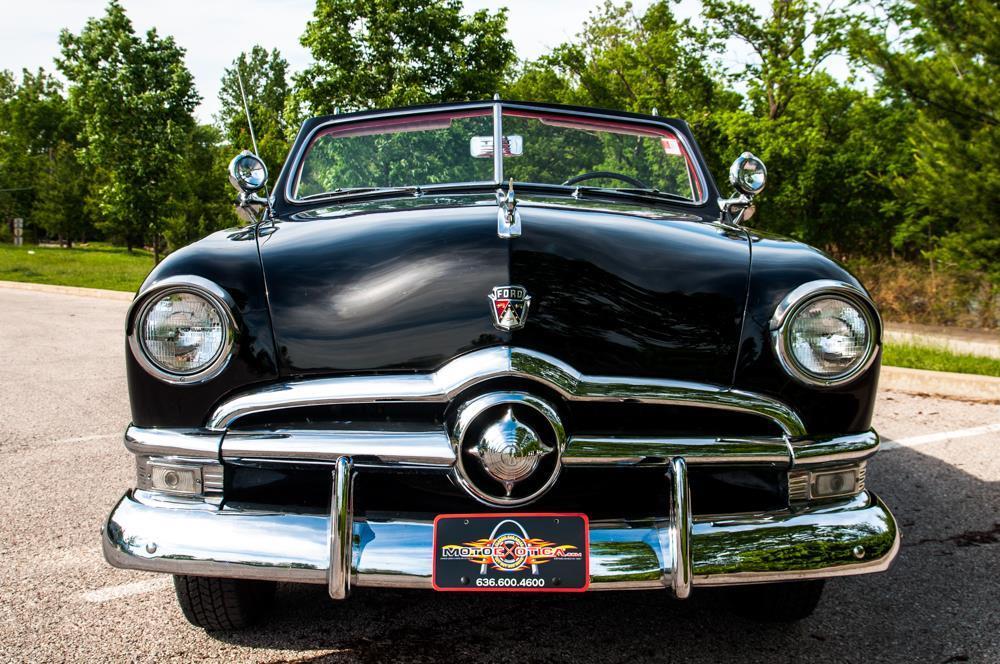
x,y
511,552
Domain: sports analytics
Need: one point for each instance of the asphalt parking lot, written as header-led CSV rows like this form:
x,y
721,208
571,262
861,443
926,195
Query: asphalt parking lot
x,y
63,408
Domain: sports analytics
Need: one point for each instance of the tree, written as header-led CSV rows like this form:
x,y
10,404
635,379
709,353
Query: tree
x,y
382,53
634,63
828,145
59,206
265,79
202,200
34,120
135,99
945,62
789,44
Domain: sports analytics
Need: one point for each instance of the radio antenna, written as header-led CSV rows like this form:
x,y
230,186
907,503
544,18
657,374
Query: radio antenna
x,y
246,108
253,139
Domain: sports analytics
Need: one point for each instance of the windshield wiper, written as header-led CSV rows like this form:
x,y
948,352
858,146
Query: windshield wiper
x,y
631,191
351,191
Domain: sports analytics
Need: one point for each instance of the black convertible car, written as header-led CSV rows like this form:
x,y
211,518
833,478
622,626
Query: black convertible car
x,y
495,347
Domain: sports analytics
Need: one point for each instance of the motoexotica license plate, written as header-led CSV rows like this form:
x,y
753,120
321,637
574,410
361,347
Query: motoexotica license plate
x,y
511,552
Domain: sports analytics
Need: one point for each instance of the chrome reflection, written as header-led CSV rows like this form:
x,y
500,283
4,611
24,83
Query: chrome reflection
x,y
193,538
380,291
486,364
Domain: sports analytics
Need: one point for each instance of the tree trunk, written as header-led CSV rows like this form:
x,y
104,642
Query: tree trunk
x,y
156,250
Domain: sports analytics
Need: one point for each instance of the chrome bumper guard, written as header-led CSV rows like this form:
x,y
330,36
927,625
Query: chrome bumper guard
x,y
849,536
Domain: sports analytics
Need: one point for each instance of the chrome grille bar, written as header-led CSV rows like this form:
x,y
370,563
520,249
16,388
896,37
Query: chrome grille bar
x,y
626,450
501,361
427,447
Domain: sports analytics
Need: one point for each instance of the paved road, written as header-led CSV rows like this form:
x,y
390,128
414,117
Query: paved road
x,y
63,408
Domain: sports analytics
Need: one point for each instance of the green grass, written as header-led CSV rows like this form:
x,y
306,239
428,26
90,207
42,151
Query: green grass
x,y
95,265
915,356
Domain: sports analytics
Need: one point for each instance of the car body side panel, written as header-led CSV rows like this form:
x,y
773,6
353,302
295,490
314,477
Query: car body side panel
x,y
230,259
778,265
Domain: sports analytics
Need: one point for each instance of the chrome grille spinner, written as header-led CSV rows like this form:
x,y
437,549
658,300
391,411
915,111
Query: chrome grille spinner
x,y
508,447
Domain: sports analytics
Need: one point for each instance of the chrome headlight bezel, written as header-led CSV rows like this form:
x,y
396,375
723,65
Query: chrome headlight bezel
x,y
200,287
796,301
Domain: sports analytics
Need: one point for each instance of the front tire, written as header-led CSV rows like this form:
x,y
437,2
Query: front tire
x,y
777,602
223,604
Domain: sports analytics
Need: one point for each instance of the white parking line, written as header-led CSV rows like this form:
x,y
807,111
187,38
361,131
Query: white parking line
x,y
915,441
126,590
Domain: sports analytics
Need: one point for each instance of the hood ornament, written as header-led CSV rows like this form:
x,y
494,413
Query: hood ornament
x,y
508,218
510,307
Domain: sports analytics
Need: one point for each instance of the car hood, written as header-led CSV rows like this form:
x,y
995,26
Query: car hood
x,y
404,286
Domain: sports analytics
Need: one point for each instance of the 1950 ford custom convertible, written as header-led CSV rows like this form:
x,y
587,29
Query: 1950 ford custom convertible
x,y
499,346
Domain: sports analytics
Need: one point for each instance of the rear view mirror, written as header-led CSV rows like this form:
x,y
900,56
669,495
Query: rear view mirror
x,y
481,147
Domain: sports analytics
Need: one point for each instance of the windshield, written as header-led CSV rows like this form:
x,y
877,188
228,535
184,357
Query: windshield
x,y
543,147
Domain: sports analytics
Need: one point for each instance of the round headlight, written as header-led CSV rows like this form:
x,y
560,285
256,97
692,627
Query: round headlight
x,y
827,339
181,335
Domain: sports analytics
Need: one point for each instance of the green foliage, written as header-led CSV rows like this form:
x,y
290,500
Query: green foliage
x,y
382,53
635,63
946,65
135,99
91,266
61,187
909,166
435,149
433,154
202,198
265,80
34,122
915,356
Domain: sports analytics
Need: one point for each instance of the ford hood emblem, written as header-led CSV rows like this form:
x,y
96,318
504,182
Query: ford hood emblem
x,y
510,307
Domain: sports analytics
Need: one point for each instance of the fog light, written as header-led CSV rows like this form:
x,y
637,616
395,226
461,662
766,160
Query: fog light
x,y
841,482
175,479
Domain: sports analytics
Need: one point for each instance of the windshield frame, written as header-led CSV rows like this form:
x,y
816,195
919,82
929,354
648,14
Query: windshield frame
x,y
294,165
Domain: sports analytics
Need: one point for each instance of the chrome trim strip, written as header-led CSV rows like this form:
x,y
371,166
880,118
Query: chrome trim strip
x,y
497,143
835,449
814,542
172,442
802,295
680,527
430,447
798,486
188,283
632,450
341,529
478,366
213,478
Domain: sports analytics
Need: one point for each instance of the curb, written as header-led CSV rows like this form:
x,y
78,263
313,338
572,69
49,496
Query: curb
x,y
981,347
98,293
970,387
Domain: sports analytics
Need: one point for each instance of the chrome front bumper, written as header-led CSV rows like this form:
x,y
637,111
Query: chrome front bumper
x,y
208,537
850,536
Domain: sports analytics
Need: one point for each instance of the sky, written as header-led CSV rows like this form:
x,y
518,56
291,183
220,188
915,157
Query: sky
x,y
214,32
